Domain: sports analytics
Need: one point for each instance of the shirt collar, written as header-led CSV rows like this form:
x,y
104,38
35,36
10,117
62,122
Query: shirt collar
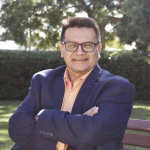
x,y
66,76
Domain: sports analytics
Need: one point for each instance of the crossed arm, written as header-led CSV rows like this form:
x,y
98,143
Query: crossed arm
x,y
22,127
77,130
90,112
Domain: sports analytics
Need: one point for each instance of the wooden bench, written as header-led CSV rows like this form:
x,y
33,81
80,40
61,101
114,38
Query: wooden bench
x,y
137,139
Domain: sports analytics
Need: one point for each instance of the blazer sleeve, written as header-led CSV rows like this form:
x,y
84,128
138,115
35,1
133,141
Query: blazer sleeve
x,y
22,126
83,132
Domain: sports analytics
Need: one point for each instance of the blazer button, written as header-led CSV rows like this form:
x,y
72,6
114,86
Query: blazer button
x,y
48,133
41,132
44,133
51,134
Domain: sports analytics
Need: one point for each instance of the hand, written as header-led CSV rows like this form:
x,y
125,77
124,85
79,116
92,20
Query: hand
x,y
92,111
36,118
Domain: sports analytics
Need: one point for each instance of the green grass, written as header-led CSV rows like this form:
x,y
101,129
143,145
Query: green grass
x,y
141,110
7,108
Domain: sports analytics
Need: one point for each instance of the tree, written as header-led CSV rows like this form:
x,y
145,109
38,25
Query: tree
x,y
33,23
103,11
134,26
25,20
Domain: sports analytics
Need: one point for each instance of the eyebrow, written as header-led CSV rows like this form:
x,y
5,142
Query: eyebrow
x,y
82,42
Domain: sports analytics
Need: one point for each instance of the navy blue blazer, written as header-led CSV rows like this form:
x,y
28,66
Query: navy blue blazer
x,y
103,131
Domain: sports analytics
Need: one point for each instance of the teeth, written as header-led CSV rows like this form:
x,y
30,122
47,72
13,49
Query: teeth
x,y
80,60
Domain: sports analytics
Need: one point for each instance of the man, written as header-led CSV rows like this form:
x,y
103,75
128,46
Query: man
x,y
78,106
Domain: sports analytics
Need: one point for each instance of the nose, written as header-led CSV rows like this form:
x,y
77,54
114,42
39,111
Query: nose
x,y
79,50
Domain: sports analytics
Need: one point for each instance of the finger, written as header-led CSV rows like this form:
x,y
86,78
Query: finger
x,y
92,111
89,111
95,111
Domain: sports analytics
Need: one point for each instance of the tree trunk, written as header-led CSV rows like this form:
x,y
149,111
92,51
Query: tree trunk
x,y
102,31
89,11
142,46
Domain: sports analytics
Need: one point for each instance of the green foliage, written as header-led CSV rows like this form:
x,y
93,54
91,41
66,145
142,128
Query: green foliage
x,y
131,65
135,24
114,43
33,23
17,68
37,23
103,11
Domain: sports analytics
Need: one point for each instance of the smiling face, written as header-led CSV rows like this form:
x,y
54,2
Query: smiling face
x,y
80,62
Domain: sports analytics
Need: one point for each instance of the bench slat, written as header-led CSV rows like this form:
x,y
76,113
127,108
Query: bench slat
x,y
139,125
136,140
128,149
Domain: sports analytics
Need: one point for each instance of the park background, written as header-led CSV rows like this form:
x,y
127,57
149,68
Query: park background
x,y
35,25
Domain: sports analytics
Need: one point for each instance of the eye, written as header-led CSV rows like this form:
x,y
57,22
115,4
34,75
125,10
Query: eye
x,y
71,45
87,45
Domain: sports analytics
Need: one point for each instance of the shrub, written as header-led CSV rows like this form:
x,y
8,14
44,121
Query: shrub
x,y
132,65
17,68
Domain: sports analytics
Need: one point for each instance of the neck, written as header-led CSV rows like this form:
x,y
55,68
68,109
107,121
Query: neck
x,y
73,76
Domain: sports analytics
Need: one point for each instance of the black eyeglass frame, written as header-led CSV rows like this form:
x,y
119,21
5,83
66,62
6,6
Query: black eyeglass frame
x,y
95,44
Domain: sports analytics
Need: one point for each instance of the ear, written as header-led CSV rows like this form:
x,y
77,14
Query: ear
x,y
99,49
61,49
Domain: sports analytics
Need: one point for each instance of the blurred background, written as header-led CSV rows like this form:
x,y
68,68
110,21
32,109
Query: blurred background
x,y
30,34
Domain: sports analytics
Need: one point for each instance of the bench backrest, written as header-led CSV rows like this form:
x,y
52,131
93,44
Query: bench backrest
x,y
137,139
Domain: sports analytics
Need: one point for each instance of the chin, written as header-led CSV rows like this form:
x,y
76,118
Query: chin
x,y
82,70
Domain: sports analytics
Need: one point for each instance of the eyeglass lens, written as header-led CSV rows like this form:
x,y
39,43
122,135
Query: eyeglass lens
x,y
70,46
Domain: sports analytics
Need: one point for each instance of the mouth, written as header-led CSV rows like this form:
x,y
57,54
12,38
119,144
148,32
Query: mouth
x,y
80,60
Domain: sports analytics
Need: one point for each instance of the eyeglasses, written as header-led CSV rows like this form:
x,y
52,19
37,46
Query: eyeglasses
x,y
73,46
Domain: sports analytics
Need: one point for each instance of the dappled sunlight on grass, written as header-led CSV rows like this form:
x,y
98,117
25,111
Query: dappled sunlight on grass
x,y
141,111
141,106
7,108
4,132
4,119
6,115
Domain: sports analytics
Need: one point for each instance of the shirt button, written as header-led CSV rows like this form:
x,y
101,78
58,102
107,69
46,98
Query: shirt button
x,y
71,94
51,134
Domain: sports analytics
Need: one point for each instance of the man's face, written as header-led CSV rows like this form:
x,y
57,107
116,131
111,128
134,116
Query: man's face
x,y
79,61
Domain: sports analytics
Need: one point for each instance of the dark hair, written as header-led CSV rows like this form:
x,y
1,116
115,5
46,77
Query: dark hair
x,y
80,22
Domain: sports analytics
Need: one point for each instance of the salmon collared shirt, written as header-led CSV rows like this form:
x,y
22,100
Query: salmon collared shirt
x,y
70,95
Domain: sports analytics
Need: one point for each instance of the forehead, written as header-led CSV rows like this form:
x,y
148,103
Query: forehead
x,y
80,34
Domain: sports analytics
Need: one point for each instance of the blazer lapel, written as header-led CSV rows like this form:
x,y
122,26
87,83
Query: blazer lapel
x,y
86,89
58,92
